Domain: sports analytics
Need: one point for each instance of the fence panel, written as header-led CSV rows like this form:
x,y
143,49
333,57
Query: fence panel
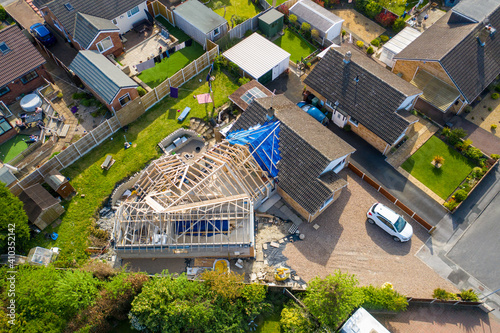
x,y
163,89
48,166
423,222
264,4
114,124
149,99
189,70
371,182
32,179
68,156
176,80
289,3
85,144
404,208
389,196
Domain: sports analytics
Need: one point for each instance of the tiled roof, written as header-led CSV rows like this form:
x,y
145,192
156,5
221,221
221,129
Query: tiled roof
x,y
108,9
22,58
455,45
315,15
306,149
36,199
372,100
87,27
199,15
235,97
100,74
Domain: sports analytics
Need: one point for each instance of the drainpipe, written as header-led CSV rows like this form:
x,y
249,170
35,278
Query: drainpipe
x,y
387,146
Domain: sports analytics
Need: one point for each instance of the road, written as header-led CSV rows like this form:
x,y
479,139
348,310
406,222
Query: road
x,y
373,163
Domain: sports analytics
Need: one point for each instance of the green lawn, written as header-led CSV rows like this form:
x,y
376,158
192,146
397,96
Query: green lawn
x,y
278,2
242,8
178,33
169,66
294,44
13,147
89,179
399,9
441,181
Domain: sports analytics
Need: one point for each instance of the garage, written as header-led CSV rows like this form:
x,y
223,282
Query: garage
x,y
258,58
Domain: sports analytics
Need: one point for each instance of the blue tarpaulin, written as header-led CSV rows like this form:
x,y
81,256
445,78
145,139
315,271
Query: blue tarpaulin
x,y
202,226
263,142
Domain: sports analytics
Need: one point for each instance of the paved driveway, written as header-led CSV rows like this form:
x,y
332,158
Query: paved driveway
x,y
346,241
481,138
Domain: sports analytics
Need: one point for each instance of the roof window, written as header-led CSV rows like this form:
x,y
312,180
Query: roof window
x,y
4,48
68,6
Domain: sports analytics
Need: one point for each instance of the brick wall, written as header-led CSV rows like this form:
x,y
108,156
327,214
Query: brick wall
x,y
17,88
130,112
294,204
117,48
336,195
131,91
8,135
409,67
369,137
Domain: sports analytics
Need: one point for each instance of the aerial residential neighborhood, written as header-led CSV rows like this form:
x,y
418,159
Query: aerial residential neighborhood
x,y
238,166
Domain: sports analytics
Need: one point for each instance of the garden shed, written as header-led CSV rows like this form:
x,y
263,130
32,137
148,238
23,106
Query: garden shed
x,y
41,207
200,22
59,183
271,22
397,43
328,24
259,58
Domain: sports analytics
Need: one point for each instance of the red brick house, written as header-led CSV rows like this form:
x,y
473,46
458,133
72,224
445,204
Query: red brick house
x,y
22,65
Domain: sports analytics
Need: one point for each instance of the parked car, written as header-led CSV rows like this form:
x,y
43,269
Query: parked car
x,y
313,111
392,223
43,34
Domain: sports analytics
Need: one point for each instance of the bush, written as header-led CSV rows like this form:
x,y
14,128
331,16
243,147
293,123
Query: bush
x,y
86,102
360,44
490,109
495,96
446,131
455,135
370,50
293,18
3,14
468,109
248,32
315,33
477,173
384,298
344,32
497,88
384,38
494,126
375,42
386,19
460,196
469,296
141,91
372,9
443,295
243,80
399,24
438,159
495,156
451,205
305,27
347,127
474,153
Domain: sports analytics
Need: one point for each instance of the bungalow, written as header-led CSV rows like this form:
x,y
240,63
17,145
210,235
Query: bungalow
x,y
306,157
200,22
454,60
106,81
93,25
374,102
328,24
22,65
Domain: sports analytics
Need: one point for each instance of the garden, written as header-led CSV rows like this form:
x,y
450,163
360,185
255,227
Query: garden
x,y
294,44
235,11
449,166
13,147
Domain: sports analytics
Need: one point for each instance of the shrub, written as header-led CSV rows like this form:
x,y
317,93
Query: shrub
x,y
490,109
375,42
79,95
443,295
141,91
477,173
474,153
495,156
494,126
3,14
384,298
315,33
469,296
460,195
217,5
497,88
495,95
466,144
305,27
399,24
468,109
370,50
438,159
243,80
86,102
344,32
293,18
347,127
248,32
360,44
455,135
386,19
384,38
372,9
451,205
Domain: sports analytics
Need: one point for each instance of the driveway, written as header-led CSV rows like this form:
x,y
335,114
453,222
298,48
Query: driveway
x,y
481,138
346,241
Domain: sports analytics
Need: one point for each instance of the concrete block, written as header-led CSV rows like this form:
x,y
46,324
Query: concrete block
x,y
274,244
316,227
281,241
264,246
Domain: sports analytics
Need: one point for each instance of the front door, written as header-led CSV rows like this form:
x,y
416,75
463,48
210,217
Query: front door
x,y
338,118
276,71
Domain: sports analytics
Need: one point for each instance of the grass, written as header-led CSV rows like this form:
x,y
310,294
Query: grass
x,y
278,2
178,33
294,44
242,8
88,178
13,147
169,66
399,9
441,181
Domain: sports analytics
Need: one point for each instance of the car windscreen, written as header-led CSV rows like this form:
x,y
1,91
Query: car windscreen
x,y
400,224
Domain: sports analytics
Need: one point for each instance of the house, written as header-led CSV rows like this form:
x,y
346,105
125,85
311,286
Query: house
x,y
93,25
22,65
244,95
374,102
59,183
396,44
271,22
306,156
328,24
199,22
106,81
362,321
259,58
455,59
41,207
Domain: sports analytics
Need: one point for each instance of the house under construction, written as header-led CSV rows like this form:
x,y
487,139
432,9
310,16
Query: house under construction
x,y
203,207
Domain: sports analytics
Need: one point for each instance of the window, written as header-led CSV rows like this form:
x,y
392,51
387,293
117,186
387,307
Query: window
x,y
28,77
4,110
124,99
105,44
216,32
115,22
253,93
387,223
68,7
58,26
353,121
330,199
4,90
4,48
4,126
133,11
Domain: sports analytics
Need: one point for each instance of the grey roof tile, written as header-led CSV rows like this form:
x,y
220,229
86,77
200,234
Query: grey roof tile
x,y
87,27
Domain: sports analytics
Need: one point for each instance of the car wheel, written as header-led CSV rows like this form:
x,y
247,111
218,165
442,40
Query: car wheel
x,y
371,221
396,239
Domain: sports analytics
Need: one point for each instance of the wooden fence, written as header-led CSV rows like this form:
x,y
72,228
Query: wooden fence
x,y
157,8
392,198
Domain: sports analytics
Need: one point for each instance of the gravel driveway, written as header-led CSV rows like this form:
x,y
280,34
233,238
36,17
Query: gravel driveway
x,y
346,241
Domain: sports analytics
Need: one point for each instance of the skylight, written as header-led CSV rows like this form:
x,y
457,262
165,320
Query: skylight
x,y
252,94
4,48
68,6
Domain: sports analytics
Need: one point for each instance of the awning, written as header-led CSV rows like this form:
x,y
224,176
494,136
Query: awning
x,y
435,91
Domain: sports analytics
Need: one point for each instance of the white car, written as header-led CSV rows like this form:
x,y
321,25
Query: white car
x,y
392,223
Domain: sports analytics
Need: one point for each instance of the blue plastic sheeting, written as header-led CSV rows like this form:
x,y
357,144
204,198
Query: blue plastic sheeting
x,y
317,114
205,227
263,142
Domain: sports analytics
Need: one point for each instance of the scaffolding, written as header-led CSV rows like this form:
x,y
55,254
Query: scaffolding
x,y
193,208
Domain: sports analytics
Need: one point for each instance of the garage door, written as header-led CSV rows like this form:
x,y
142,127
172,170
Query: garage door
x,y
266,77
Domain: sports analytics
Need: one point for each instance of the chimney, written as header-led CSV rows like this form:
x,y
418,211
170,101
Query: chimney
x,y
347,57
270,113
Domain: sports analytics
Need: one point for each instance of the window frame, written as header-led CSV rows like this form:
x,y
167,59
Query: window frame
x,y
130,14
6,92
100,43
8,48
2,130
123,97
26,81
218,33
353,121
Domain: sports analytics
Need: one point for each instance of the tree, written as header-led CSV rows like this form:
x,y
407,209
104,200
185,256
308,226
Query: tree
x,y
333,298
305,27
13,219
315,33
295,320
293,18
372,9
399,24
